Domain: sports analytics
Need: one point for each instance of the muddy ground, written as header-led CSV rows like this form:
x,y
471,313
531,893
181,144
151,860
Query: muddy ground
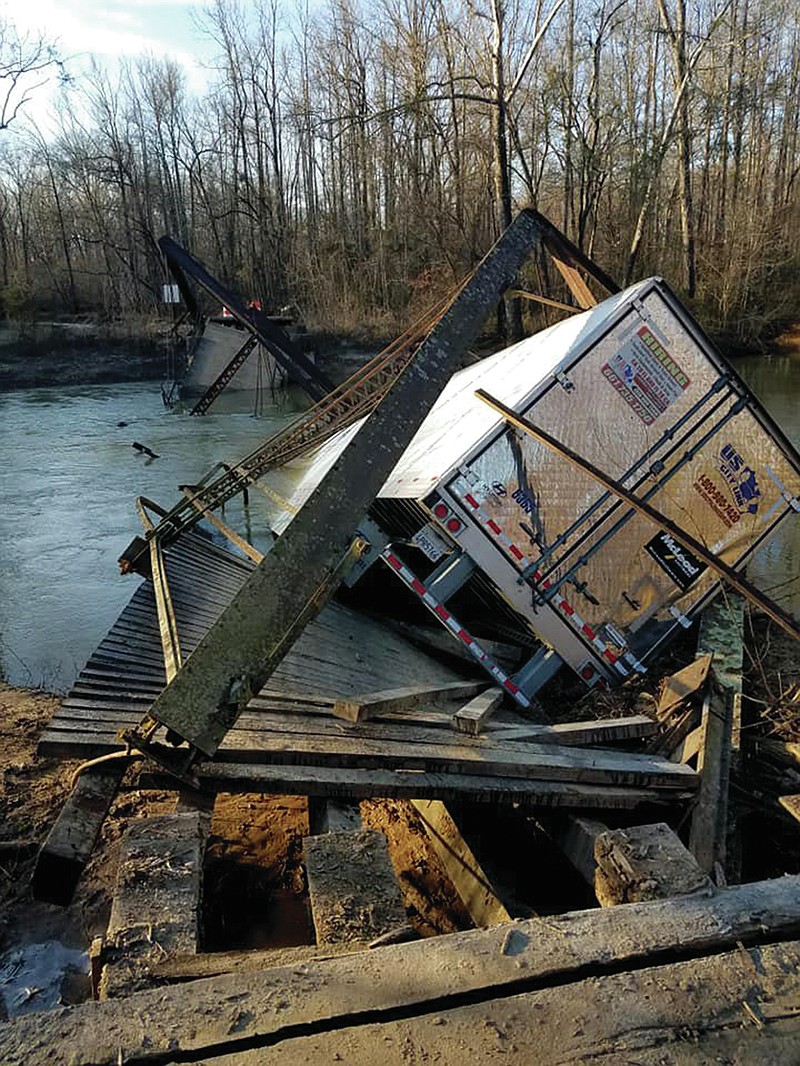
x,y
255,895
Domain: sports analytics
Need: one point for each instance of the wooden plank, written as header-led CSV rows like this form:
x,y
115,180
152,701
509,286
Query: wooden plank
x,y
542,761
69,843
791,804
683,684
352,887
469,879
474,716
401,784
244,1010
89,716
552,762
709,822
645,862
689,747
397,699
680,726
156,904
740,1007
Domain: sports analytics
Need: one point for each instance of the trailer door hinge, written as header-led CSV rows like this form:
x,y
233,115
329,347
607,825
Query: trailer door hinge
x,y
564,382
792,500
641,309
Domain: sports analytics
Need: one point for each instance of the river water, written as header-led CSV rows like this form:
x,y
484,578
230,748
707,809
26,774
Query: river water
x,y
69,475
68,479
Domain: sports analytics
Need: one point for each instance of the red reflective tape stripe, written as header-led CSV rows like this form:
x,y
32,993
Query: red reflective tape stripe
x,y
418,587
610,656
465,636
493,526
590,633
509,684
394,561
565,607
471,500
515,551
443,614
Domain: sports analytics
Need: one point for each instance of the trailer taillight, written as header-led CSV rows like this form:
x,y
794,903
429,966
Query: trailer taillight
x,y
454,525
441,510
589,673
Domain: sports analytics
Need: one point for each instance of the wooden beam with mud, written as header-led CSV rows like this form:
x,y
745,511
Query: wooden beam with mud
x,y
736,1008
230,1014
69,843
352,888
707,837
155,911
630,865
645,862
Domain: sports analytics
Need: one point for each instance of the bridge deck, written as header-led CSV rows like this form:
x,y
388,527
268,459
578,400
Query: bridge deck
x,y
288,739
341,654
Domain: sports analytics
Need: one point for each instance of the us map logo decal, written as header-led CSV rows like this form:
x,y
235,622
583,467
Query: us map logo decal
x,y
739,494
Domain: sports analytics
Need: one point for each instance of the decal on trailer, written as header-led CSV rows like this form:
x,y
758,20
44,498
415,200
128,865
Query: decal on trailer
x,y
645,375
677,561
739,495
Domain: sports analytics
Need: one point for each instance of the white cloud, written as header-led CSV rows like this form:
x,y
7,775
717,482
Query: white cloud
x,y
110,30
82,28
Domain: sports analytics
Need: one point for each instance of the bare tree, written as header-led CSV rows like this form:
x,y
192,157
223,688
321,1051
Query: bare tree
x,y
26,63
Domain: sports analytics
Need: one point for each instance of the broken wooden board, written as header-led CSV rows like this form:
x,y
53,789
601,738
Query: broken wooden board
x,y
155,911
370,704
461,864
473,716
242,1011
352,887
69,843
791,804
683,684
645,862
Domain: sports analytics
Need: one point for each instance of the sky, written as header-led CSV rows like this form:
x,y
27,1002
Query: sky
x,y
111,30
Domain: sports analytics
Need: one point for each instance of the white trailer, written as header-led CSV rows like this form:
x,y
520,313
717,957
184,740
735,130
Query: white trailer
x,y
635,387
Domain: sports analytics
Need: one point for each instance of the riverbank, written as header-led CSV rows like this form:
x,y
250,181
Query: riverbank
x,y
45,354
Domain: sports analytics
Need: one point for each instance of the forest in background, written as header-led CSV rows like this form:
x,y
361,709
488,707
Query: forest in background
x,y
356,161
